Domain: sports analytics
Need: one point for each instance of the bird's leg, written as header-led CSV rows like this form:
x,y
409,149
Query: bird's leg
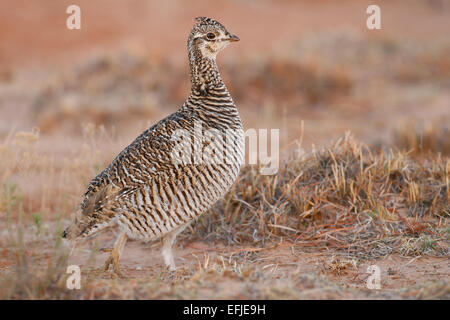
x,y
168,242
115,254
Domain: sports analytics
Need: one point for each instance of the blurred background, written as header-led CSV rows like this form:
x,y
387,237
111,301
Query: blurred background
x,y
310,68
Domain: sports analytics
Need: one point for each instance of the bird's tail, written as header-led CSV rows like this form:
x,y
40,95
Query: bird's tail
x,y
95,212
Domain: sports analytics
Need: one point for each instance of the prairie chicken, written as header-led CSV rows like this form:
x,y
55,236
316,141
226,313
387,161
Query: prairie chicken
x,y
151,190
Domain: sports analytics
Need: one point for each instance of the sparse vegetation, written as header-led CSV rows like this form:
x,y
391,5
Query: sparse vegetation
x,y
344,196
424,138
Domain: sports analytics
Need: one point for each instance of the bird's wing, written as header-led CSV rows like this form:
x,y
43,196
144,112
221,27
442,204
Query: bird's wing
x,y
104,189
102,198
146,158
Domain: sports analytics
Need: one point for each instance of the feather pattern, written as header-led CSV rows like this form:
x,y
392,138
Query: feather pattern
x,y
147,190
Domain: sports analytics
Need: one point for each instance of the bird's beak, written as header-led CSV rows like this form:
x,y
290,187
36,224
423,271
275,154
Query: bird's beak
x,y
233,38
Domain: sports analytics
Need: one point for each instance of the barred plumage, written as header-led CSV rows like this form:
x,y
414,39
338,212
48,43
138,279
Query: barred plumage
x,y
151,190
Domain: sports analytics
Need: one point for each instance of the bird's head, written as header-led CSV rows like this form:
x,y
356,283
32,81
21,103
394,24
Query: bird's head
x,y
209,37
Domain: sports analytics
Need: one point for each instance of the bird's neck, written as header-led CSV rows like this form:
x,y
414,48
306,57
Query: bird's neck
x,y
204,73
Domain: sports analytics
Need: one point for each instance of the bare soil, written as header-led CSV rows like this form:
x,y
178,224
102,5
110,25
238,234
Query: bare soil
x,y
279,271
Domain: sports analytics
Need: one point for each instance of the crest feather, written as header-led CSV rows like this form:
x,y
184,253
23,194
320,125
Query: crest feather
x,y
201,19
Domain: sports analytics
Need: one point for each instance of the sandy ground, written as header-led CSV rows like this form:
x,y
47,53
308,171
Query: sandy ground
x,y
278,267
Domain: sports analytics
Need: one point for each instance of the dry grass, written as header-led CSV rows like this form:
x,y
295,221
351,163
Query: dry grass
x,y
345,197
424,137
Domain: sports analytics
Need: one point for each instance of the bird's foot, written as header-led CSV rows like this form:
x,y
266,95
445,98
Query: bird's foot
x,y
114,260
171,267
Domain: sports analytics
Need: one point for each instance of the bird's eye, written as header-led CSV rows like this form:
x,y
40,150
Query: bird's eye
x,y
210,35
